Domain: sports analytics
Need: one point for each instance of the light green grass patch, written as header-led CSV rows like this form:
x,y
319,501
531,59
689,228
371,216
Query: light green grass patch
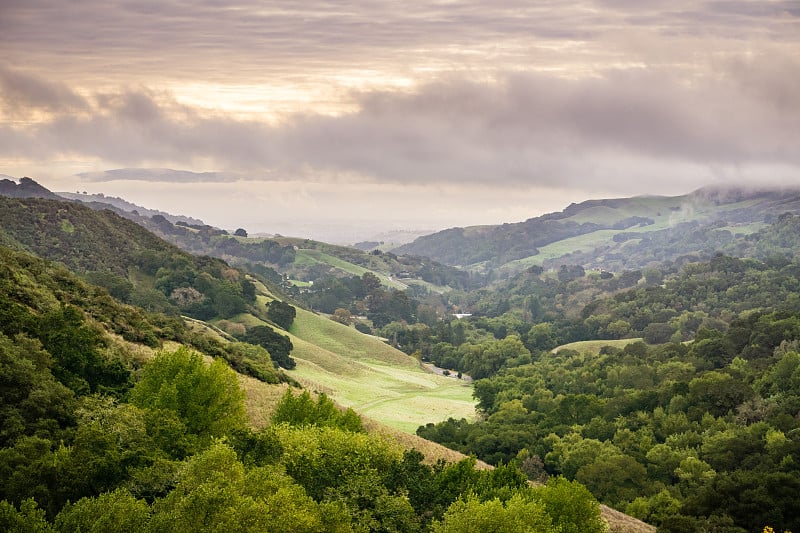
x,y
594,347
310,257
377,381
345,341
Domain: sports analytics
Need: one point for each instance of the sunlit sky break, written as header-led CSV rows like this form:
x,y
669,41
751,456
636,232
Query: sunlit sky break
x,y
339,120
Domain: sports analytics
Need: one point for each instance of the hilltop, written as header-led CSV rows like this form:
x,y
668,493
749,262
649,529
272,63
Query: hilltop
x,y
612,234
301,260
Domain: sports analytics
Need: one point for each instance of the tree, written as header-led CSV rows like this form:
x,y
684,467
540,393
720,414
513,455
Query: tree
x,y
371,282
616,479
112,511
658,332
240,232
281,313
302,410
279,346
341,316
517,515
75,346
206,397
571,505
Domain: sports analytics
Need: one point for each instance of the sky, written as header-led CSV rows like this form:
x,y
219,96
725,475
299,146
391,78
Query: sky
x,y
341,120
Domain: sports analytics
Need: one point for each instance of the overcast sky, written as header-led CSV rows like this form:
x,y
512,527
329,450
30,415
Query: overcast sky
x,y
317,117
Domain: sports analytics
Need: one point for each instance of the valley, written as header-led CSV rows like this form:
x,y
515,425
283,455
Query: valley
x,y
643,352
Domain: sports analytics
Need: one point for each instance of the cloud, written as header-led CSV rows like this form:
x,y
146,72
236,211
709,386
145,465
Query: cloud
x,y
627,127
23,94
93,41
623,92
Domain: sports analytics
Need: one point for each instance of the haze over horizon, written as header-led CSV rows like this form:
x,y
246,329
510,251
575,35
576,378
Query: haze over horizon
x,y
370,117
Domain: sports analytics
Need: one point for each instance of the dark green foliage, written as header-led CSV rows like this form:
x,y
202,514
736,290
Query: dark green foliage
x,y
99,241
75,349
382,305
117,286
703,423
279,346
114,252
31,400
257,448
281,313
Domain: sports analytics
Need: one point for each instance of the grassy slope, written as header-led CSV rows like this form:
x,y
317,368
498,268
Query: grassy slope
x,y
308,256
377,381
664,211
594,347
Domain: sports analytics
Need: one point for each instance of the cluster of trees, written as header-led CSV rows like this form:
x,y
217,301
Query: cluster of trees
x,y
207,240
361,295
691,437
176,455
203,288
279,346
70,319
134,265
543,312
281,313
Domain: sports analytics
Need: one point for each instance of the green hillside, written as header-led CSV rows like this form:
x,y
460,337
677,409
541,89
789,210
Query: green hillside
x,y
378,381
101,430
354,368
613,234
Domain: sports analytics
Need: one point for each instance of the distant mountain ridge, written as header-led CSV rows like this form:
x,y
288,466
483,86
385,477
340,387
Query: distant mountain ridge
x,y
614,234
126,206
300,258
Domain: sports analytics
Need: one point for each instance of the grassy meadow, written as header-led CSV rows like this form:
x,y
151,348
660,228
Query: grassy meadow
x,y
376,380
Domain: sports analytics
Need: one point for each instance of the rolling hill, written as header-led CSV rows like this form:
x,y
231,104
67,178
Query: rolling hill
x,y
612,234
301,260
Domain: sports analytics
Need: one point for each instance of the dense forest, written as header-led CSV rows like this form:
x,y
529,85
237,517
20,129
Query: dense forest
x,y
694,429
